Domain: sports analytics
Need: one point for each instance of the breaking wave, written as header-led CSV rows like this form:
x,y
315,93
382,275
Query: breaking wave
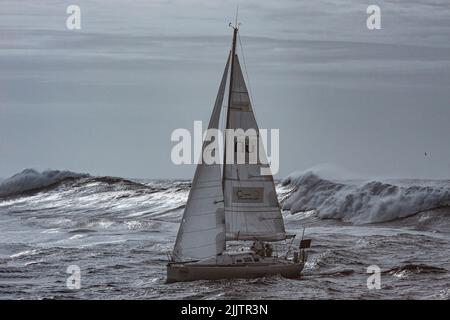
x,y
30,179
414,268
361,202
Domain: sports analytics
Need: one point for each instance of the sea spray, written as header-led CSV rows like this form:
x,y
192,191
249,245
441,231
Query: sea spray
x,y
366,202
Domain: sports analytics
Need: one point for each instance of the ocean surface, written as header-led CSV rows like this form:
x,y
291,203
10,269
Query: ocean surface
x,y
119,231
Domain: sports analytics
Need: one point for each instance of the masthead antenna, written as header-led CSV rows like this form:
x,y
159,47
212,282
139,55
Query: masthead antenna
x,y
236,24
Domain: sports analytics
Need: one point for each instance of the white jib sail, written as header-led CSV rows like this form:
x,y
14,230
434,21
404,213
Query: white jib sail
x,y
252,210
202,229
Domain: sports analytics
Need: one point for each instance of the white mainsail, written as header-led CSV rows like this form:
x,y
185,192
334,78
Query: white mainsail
x,y
252,210
202,229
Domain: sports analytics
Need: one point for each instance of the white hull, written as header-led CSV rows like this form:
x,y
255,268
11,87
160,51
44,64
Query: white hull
x,y
193,271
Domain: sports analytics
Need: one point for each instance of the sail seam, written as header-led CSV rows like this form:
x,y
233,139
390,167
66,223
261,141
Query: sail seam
x,y
209,197
202,246
202,214
200,230
203,187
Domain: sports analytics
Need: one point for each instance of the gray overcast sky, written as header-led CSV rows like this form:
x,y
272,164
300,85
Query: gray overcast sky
x,y
105,99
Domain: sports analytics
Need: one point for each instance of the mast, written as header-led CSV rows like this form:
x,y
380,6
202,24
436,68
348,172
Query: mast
x,y
230,90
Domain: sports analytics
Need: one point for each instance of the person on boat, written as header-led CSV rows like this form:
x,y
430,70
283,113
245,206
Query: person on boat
x,y
268,250
258,248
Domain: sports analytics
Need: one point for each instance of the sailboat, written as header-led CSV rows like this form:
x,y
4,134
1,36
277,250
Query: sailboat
x,y
232,203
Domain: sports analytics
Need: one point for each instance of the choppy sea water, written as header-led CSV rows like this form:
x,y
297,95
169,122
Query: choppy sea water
x,y
119,231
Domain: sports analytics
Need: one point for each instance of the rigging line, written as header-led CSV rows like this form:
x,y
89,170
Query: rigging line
x,y
246,73
251,102
250,96
237,208
224,115
222,128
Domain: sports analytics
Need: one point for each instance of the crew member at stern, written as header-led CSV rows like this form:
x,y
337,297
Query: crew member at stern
x,y
262,249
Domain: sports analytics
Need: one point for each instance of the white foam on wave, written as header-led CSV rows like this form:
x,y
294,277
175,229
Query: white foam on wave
x,y
360,203
30,179
25,253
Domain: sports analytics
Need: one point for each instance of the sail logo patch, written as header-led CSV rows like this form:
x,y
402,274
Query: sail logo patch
x,y
248,195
